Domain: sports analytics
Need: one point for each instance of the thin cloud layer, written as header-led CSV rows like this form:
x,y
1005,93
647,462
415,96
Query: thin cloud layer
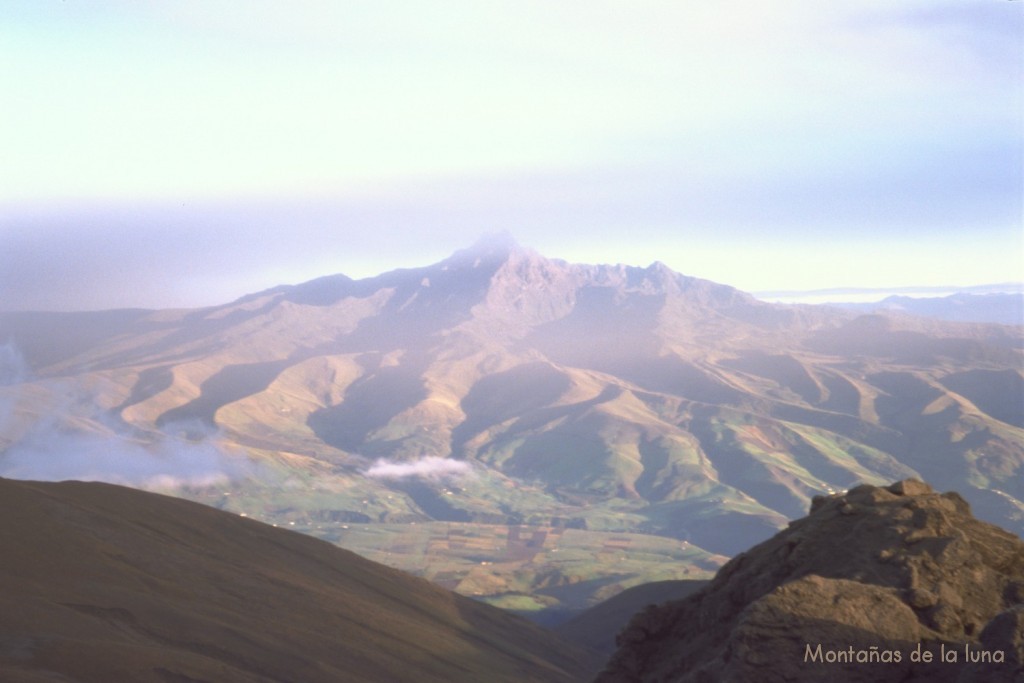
x,y
51,451
187,153
245,99
46,455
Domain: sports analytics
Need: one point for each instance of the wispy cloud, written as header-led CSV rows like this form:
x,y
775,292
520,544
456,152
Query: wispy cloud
x,y
432,468
50,454
13,368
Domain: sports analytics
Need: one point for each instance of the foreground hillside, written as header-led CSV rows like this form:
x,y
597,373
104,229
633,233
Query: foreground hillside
x,y
101,583
848,593
537,433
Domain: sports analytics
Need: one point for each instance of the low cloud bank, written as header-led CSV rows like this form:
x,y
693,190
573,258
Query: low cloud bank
x,y
169,464
78,441
433,468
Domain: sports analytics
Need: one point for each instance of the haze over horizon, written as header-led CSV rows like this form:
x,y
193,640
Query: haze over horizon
x,y
184,155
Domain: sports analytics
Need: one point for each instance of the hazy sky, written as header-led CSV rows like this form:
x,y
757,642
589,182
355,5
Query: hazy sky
x,y
189,151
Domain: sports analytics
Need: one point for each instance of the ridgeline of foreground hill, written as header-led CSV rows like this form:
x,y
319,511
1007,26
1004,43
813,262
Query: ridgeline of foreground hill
x,y
100,583
868,576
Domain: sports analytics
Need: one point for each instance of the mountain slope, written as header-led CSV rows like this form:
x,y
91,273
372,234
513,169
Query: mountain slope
x,y
102,583
500,393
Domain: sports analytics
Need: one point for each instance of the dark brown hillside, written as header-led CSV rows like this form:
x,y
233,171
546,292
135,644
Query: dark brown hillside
x,y
100,583
883,568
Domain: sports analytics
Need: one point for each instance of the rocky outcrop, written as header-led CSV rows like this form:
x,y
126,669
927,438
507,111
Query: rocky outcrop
x,y
878,584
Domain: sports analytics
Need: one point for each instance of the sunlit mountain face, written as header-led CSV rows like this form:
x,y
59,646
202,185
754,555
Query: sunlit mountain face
x,y
532,432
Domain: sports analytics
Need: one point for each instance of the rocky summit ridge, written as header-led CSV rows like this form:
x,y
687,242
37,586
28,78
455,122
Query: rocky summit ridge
x,y
878,584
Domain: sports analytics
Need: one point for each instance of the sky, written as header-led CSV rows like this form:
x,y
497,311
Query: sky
x,y
185,153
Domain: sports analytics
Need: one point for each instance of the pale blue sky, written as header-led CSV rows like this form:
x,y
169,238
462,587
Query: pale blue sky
x,y
187,152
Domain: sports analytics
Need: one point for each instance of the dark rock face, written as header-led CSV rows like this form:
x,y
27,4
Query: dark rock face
x,y
880,584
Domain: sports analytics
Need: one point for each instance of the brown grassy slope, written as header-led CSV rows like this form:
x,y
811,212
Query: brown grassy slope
x,y
104,583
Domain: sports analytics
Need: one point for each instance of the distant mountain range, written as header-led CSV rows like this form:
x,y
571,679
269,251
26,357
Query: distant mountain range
x,y
996,303
536,433
1003,308
875,294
